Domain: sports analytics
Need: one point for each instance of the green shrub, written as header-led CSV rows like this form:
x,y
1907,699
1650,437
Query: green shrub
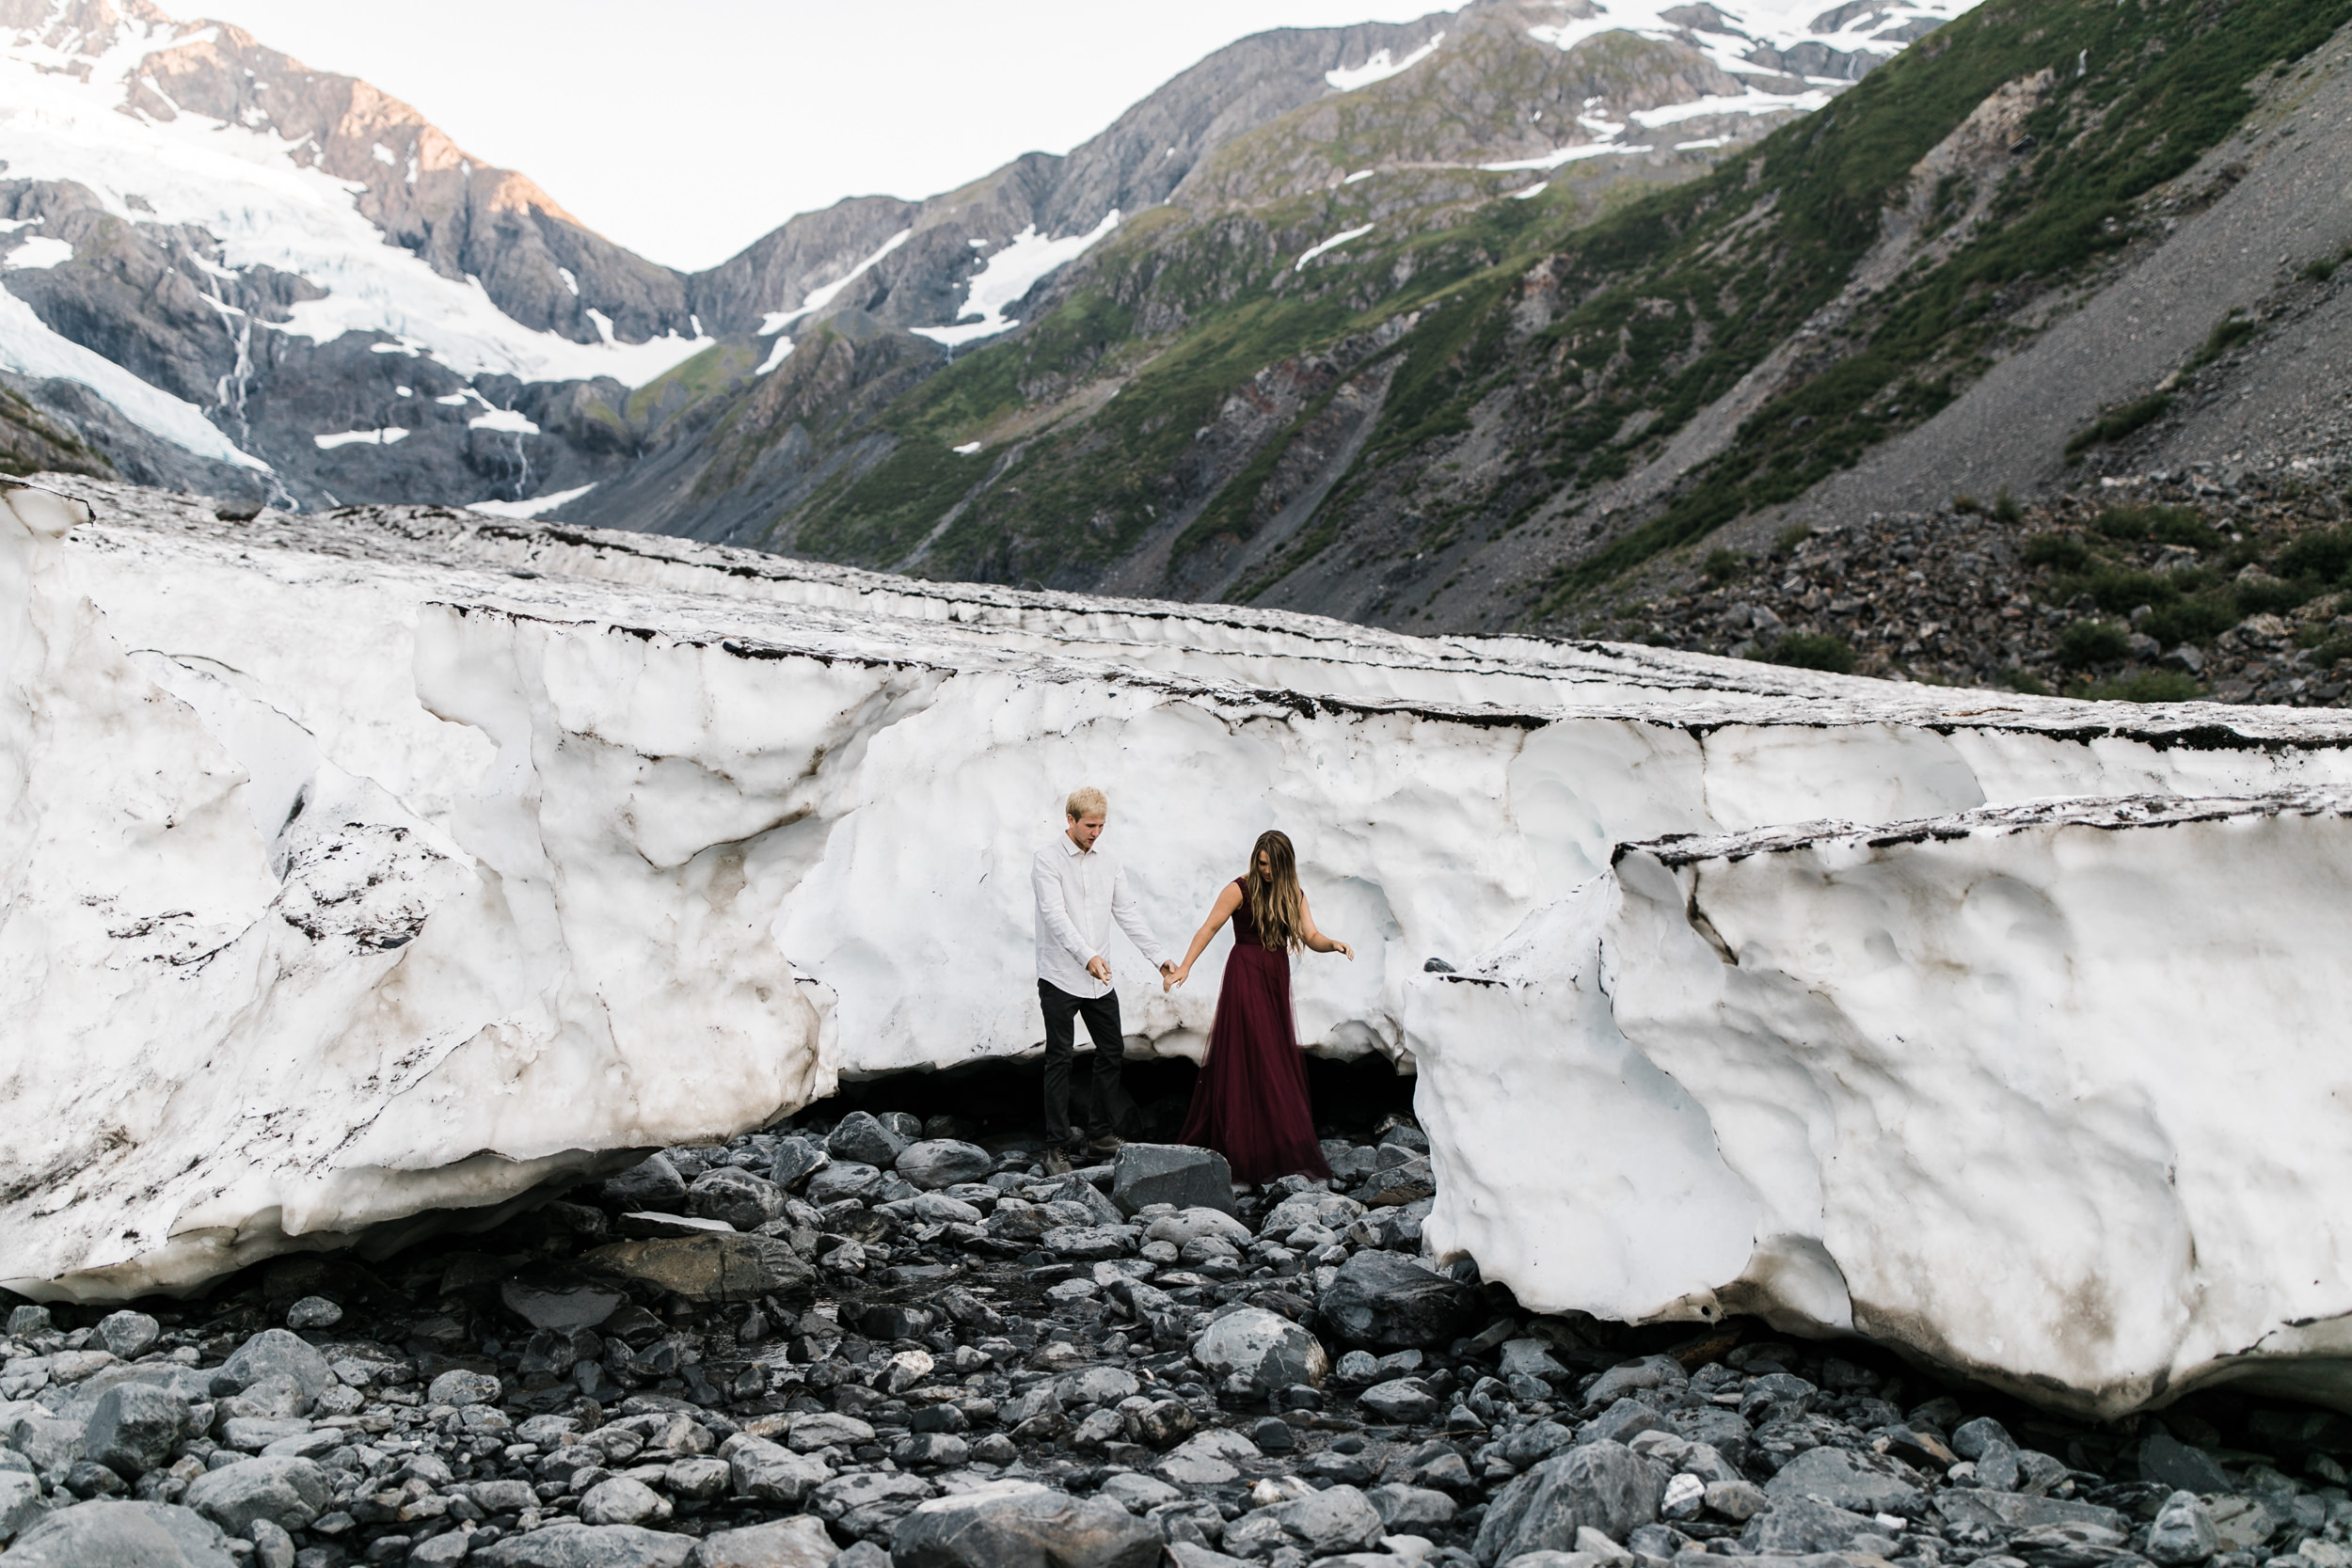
x,y
2146,686
2119,423
2062,550
1723,566
2087,643
2323,555
1791,536
1812,650
2167,525
2320,269
2005,509
2227,334
2026,683
1966,503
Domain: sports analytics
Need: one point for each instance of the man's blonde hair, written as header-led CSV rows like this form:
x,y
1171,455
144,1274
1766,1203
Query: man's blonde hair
x,y
1085,801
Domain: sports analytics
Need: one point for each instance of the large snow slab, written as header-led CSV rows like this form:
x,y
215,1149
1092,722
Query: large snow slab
x,y
659,839
2044,1093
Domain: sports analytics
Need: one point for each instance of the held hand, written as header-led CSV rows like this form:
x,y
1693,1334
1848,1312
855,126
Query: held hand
x,y
1177,976
1099,968
1167,972
1338,946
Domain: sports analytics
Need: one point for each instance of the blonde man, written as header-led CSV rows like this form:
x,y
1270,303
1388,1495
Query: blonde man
x,y
1081,891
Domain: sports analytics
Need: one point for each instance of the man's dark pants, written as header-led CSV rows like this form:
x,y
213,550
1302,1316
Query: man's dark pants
x,y
1107,1103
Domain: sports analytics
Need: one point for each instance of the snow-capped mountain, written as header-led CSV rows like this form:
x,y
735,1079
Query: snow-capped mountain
x,y
223,270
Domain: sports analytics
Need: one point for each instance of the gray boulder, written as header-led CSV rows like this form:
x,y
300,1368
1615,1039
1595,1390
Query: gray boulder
x,y
459,1388
1189,1178
110,1534
2009,1513
1793,1527
1257,1350
653,1185
1633,1377
2168,1462
736,1195
770,1472
937,1163
799,1541
569,1545
21,1503
1021,1525
863,1138
129,1335
1405,1401
1322,1525
1602,1485
136,1427
843,1179
558,1300
278,1353
289,1492
1971,1439
1402,1507
795,1160
1386,1299
2183,1534
1830,1476
622,1500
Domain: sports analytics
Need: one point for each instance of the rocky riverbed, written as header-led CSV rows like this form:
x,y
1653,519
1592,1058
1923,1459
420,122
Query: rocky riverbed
x,y
862,1338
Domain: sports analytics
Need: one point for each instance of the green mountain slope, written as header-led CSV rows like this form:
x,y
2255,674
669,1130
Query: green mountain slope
x,y
1485,406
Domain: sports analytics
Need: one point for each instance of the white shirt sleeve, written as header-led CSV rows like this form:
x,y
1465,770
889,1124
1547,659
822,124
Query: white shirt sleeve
x,y
1053,910
1130,917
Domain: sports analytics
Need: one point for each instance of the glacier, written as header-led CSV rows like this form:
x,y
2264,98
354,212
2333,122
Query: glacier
x,y
385,870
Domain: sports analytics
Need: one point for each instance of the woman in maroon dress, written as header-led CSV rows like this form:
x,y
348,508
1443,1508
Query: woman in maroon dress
x,y
1251,1103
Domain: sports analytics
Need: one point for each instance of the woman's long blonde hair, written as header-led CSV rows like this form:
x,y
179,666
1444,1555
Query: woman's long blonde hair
x,y
1277,906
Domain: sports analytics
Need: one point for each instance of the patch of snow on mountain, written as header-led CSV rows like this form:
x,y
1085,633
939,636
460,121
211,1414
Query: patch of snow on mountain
x,y
1747,104
1778,25
508,421
244,186
817,299
39,251
1559,155
537,506
776,355
1009,274
1380,66
28,347
1332,244
383,437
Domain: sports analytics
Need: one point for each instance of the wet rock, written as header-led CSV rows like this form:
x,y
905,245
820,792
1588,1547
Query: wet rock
x,y
736,1195
2168,1462
794,1161
861,1137
559,1300
1832,1476
1254,1350
1189,1178
937,1163
2183,1534
128,1334
289,1492
1023,1525
136,1428
111,1534
1971,1439
652,1184
796,1542
1388,1300
1602,1486
573,1545
709,1268
844,1178
314,1312
1402,1401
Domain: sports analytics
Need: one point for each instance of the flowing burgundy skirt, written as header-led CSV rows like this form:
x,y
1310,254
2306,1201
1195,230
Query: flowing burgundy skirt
x,y
1249,1103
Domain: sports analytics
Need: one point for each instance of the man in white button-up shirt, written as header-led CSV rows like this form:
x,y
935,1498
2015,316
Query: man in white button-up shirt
x,y
1080,891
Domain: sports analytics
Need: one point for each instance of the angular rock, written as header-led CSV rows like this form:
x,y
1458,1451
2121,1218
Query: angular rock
x,y
1735,1500
314,1312
844,1178
571,1546
128,1334
1387,1300
1189,1178
709,1268
1971,1439
136,1427
1796,1525
1404,1506
861,1137
559,1300
937,1163
1191,1225
1832,1476
1023,1525
104,1533
2183,1534
1625,1420
652,1184
1602,1485
867,1503
1264,1350
289,1492
770,1472
736,1195
459,1388
1207,1458
799,1541
1531,1358
2009,1513
2168,1462
622,1500
1404,1401
280,1353
795,1160
1632,1377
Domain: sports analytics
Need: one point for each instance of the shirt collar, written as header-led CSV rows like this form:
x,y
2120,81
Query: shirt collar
x,y
1070,845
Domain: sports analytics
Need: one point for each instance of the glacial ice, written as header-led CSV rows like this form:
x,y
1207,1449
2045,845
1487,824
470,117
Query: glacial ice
x,y
370,871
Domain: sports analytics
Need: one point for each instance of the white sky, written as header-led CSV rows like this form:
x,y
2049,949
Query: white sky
x,y
687,130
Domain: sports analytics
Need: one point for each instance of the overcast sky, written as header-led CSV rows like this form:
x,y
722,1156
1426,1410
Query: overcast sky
x,y
687,130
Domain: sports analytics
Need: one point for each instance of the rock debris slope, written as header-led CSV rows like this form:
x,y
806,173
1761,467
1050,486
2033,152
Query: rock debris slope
x,y
469,853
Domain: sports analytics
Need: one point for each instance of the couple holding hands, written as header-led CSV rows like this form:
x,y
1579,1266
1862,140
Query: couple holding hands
x,y
1250,1102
